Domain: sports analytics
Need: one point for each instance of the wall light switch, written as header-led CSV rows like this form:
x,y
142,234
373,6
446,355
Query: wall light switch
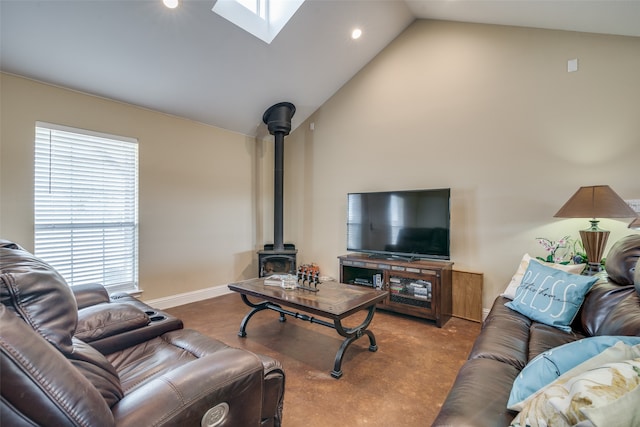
x,y
572,65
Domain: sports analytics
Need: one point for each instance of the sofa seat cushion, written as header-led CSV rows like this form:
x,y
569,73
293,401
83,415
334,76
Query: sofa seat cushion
x,y
479,395
141,363
504,337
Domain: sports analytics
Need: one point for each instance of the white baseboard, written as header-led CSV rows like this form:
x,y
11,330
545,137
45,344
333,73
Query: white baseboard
x,y
485,313
188,297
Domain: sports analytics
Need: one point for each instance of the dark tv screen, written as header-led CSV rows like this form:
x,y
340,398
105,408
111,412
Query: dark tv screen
x,y
410,224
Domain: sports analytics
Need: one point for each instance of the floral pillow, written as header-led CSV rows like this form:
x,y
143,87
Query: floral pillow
x,y
592,395
510,291
548,366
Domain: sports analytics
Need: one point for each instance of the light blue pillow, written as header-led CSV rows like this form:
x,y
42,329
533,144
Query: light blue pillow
x,y
550,296
548,366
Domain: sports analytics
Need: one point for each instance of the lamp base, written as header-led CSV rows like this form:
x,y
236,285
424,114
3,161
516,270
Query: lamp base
x,y
594,241
592,268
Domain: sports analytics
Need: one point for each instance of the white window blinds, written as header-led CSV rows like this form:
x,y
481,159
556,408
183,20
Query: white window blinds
x,y
86,206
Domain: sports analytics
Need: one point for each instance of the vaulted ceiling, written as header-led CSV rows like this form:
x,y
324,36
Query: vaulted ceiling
x,y
192,63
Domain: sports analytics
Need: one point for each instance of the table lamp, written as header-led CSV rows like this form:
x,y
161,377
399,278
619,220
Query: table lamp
x,y
598,201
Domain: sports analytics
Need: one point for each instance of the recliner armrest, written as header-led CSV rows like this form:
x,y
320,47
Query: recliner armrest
x,y
123,322
110,323
104,320
90,294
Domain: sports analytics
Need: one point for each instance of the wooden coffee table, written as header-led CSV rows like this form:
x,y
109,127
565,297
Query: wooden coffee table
x,y
333,300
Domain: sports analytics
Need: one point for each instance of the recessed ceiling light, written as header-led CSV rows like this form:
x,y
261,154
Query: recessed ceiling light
x,y
171,4
355,34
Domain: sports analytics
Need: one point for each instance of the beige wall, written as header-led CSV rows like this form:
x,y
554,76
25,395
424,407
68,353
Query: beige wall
x,y
488,111
198,202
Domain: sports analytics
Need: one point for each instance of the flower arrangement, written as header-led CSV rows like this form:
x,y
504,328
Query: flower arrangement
x,y
573,251
552,250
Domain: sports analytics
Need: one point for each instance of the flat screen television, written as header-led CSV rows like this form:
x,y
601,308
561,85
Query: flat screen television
x,y
406,224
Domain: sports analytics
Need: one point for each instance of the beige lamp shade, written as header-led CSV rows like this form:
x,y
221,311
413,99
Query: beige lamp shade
x,y
598,201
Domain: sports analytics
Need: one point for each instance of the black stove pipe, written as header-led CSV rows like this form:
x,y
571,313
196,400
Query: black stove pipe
x,y
278,121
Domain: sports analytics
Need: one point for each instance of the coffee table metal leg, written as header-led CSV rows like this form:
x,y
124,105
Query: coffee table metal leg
x,y
352,334
255,308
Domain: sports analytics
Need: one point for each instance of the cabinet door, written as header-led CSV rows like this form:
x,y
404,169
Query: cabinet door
x,y
413,293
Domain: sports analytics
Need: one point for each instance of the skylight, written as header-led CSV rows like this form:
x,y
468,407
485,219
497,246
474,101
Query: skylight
x,y
262,18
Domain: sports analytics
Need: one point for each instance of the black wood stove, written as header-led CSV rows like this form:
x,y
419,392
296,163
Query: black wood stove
x,y
278,258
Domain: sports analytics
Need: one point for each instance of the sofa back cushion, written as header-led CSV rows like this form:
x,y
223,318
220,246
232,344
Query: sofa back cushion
x,y
96,368
611,309
622,258
39,385
624,319
636,276
38,294
32,290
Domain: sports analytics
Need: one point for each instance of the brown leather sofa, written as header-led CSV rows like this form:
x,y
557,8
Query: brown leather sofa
x,y
508,340
92,360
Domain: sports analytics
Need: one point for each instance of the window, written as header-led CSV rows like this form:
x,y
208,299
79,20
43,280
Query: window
x,y
86,206
257,7
262,18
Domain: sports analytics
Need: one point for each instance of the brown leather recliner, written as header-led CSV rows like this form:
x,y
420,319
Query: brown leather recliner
x,y
50,377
